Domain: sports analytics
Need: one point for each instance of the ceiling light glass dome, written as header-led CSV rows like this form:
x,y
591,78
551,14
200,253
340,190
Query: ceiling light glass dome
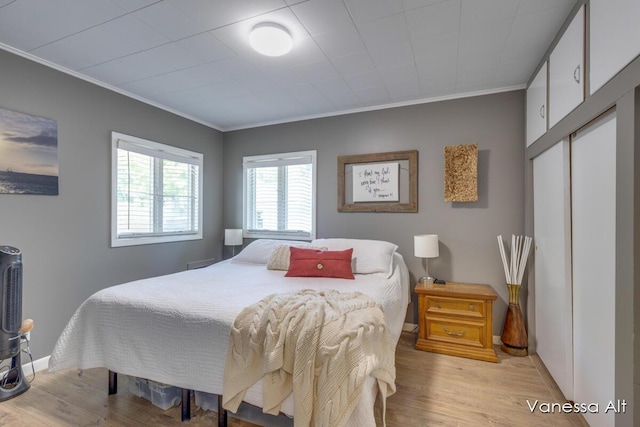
x,y
270,39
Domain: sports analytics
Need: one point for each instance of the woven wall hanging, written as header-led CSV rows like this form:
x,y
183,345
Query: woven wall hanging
x,y
461,173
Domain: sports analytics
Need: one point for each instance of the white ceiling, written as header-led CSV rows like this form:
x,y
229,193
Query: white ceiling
x,y
192,57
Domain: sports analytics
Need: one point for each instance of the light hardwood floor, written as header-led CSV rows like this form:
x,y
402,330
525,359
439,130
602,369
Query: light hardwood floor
x,y
432,390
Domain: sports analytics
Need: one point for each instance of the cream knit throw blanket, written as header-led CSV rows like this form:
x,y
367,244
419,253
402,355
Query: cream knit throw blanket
x,y
319,344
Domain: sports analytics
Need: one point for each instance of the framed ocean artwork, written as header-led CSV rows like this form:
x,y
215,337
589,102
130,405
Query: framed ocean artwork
x,y
28,154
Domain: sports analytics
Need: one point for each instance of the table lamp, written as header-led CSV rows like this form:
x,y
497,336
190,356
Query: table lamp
x,y
426,246
233,238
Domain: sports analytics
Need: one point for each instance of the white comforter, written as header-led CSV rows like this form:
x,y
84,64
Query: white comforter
x,y
175,328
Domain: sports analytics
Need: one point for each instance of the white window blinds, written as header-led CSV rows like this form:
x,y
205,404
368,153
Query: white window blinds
x,y
157,192
279,195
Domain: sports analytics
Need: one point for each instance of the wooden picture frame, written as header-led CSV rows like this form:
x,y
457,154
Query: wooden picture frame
x,y
408,201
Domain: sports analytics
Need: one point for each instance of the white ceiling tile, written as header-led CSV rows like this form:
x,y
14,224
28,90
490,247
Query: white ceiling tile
x,y
283,78
563,7
170,21
392,55
153,62
338,93
436,19
438,85
389,30
401,81
43,20
340,43
365,80
213,14
132,5
532,33
474,79
309,96
443,45
114,39
367,10
321,16
446,64
376,95
206,47
476,12
318,71
93,12
409,5
189,78
355,63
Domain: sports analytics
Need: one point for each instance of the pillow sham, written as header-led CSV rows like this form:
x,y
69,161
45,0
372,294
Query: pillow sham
x,y
259,251
316,263
279,259
369,256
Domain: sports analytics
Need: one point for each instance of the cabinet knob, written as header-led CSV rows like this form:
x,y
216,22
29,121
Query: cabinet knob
x,y
472,307
576,74
437,304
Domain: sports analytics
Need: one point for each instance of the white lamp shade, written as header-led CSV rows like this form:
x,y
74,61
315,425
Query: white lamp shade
x,y
270,39
233,237
426,246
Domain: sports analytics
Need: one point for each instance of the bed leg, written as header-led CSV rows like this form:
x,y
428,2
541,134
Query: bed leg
x,y
222,413
186,405
113,382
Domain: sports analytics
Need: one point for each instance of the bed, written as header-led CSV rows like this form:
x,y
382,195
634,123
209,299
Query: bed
x,y
175,329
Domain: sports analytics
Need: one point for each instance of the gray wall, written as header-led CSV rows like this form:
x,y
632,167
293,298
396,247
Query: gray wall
x,y
467,231
65,238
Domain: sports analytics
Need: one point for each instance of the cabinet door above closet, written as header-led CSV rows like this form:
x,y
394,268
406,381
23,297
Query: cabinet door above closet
x,y
537,106
566,71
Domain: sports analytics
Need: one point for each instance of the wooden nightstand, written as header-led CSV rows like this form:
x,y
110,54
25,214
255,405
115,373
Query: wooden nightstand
x,y
456,319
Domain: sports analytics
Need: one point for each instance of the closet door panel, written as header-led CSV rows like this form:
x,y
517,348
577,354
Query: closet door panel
x,y
552,239
593,187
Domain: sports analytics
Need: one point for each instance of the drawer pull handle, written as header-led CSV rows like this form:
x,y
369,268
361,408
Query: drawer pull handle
x,y
437,304
454,334
472,307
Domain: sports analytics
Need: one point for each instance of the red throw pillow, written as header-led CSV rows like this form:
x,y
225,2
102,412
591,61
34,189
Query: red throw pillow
x,y
316,263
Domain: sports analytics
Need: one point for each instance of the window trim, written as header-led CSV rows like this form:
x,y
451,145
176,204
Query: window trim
x,y
158,150
281,159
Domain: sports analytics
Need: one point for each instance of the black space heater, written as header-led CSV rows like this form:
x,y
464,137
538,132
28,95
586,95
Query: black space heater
x,y
12,381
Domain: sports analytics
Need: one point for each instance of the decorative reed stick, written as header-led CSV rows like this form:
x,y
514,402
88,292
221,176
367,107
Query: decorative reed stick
x,y
515,266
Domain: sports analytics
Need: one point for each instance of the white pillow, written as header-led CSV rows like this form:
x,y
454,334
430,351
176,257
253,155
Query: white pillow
x,y
279,259
259,251
369,256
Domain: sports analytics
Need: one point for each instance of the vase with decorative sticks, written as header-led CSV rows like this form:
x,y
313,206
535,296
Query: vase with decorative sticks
x,y
514,334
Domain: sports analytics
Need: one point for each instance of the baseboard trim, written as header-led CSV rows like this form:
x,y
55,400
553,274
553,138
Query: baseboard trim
x,y
38,365
409,327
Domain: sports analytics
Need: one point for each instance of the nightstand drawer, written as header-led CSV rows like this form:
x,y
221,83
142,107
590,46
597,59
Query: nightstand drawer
x,y
455,306
468,334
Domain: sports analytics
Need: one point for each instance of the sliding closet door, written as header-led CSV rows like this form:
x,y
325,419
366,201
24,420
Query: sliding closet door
x,y
593,188
553,312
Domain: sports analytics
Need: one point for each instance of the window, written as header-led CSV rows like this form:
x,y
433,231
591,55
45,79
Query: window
x,y
280,196
156,192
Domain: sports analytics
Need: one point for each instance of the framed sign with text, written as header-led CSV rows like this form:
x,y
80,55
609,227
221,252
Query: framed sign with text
x,y
378,182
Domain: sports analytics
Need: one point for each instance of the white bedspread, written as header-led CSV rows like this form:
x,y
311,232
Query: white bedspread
x,y
175,328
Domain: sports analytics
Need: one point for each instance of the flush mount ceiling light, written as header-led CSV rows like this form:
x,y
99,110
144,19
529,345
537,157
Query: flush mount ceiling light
x,y
270,39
